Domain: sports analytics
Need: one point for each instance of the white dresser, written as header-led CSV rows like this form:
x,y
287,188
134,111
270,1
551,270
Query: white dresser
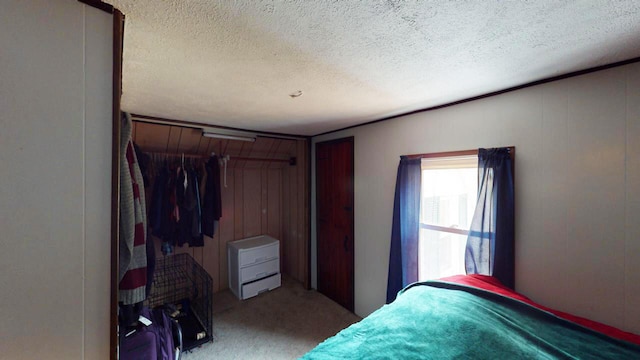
x,y
254,265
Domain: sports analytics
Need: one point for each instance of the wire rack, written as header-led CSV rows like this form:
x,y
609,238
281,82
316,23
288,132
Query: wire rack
x,y
180,281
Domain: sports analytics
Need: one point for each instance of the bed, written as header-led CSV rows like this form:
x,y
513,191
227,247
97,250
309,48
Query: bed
x,y
474,317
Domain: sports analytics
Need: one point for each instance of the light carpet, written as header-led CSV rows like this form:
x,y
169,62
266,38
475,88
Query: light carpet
x,y
284,323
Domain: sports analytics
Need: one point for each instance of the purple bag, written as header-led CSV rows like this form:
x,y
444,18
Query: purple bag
x,y
164,327
150,342
140,345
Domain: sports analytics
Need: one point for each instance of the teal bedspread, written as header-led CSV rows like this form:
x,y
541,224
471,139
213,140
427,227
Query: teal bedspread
x,y
439,320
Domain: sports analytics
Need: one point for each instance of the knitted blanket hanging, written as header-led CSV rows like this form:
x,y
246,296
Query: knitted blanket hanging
x,y
133,223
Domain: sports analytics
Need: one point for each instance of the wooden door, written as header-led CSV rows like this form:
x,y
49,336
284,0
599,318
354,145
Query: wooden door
x,y
334,200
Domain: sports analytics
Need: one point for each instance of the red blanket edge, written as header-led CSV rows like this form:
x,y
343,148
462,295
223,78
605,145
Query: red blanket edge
x,y
494,285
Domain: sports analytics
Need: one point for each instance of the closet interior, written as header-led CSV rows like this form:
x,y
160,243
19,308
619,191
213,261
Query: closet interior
x,y
264,187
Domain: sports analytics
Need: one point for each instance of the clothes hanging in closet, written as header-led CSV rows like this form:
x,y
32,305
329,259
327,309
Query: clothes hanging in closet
x,y
185,202
144,162
158,209
188,202
177,205
212,204
132,279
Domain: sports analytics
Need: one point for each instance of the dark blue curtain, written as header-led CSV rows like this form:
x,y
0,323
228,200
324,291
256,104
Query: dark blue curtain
x,y
403,258
490,245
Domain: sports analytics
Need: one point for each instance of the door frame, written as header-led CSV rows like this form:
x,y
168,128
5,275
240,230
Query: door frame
x,y
116,83
351,140
118,36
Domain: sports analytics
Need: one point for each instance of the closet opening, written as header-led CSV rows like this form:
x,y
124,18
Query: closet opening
x,y
264,186
225,186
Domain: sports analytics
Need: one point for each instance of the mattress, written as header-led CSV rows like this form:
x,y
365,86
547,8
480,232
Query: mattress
x,y
474,317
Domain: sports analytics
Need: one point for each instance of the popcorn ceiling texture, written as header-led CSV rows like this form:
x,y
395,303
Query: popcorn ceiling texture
x,y
235,63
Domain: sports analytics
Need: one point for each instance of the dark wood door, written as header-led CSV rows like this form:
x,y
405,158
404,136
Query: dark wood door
x,y
334,201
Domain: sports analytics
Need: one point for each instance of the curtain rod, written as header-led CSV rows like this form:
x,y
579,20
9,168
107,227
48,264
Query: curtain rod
x,y
291,161
512,150
443,154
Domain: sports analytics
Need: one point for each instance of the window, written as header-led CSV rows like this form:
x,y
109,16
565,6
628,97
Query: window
x,y
448,199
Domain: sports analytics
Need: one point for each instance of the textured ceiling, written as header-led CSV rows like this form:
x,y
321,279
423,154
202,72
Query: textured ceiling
x,y
236,63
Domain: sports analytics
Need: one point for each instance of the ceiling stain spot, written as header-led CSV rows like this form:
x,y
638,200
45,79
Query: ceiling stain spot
x,y
394,5
269,8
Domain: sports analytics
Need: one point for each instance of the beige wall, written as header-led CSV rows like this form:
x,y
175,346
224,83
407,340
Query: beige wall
x,y
55,155
577,186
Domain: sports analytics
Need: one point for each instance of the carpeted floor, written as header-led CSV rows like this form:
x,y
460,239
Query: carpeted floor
x,y
284,323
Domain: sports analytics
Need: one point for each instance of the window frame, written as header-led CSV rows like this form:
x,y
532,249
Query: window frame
x,y
453,154
459,156
462,159
459,153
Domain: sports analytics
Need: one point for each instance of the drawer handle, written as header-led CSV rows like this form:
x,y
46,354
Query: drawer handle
x,y
261,274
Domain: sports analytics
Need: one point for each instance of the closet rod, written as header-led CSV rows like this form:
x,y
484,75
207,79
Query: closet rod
x,y
291,161
261,159
176,155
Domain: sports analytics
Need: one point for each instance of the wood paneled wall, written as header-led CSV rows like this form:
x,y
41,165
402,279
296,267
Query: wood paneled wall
x,y
251,206
260,197
296,242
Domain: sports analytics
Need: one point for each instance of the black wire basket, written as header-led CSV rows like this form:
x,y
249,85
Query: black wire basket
x,y
184,289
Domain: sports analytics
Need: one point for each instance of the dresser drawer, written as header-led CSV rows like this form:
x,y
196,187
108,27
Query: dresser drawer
x,y
260,286
261,254
258,271
253,265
